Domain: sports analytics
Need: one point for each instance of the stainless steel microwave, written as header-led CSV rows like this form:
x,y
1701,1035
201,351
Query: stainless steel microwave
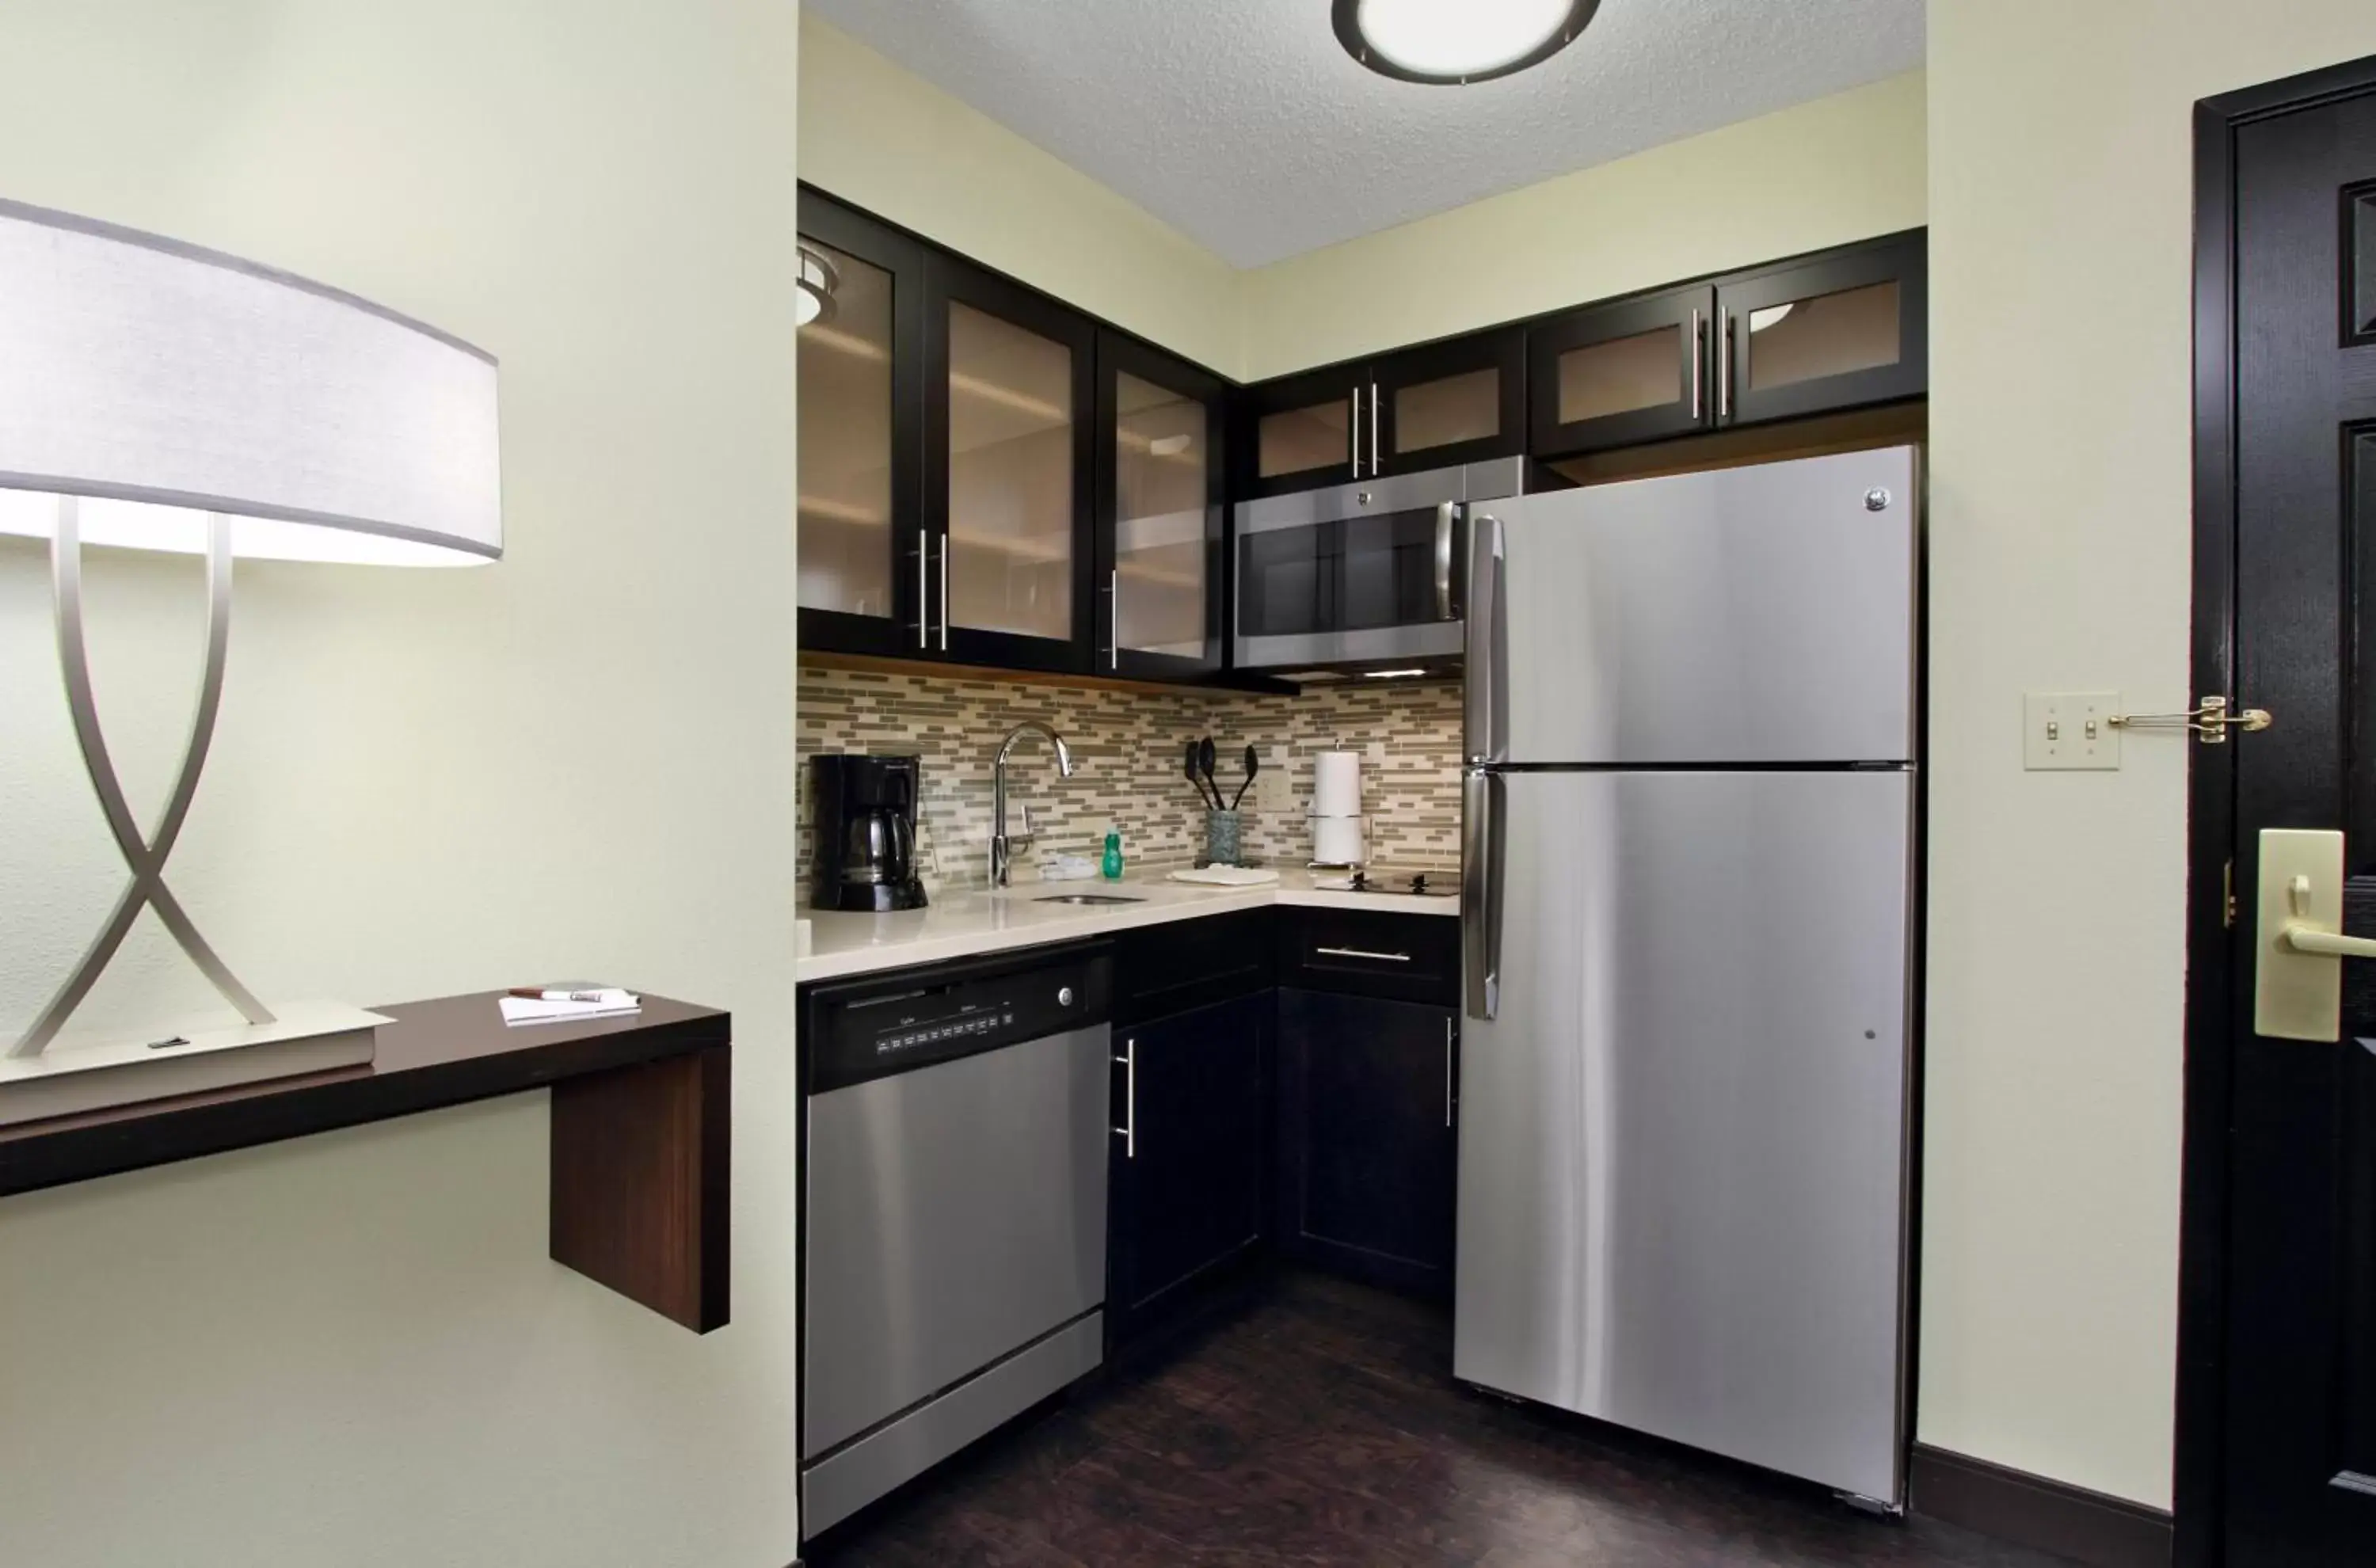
x,y
1362,575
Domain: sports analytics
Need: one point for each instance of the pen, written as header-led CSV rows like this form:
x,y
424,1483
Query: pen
x,y
535,994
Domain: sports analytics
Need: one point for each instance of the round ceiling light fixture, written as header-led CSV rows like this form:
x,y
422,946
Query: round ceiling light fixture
x,y
819,279
1457,41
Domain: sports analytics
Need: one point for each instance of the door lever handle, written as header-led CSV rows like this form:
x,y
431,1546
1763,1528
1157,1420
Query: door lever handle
x,y
2303,935
2297,984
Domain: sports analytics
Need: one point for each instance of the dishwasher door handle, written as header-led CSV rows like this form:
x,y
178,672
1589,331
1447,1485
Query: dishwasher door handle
x,y
1363,953
1128,1131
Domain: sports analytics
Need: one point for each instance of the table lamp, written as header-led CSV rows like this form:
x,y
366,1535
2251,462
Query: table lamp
x,y
156,396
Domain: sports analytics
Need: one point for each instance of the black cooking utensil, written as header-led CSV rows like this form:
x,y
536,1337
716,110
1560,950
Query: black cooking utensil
x,y
1254,765
1194,756
1204,759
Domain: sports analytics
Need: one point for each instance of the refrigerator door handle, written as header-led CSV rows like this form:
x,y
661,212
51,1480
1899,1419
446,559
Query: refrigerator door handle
x,y
1488,642
1480,892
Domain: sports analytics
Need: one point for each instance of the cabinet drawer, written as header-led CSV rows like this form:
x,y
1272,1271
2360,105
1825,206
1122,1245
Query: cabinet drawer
x,y
1162,969
1371,952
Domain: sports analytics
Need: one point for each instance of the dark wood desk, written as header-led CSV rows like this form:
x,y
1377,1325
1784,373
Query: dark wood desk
x,y
641,1111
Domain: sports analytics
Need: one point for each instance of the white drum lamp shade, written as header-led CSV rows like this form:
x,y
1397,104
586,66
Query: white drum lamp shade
x,y
157,396
164,383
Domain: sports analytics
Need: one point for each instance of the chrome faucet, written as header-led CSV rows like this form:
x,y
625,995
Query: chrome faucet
x,y
1001,852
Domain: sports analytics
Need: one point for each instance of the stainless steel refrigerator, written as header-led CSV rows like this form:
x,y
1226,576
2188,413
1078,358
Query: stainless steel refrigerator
x,y
1690,824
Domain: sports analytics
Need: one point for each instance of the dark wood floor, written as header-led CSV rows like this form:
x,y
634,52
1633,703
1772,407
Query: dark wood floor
x,y
1321,1426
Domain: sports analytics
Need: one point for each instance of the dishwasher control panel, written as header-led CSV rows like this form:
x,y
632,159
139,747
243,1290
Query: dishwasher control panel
x,y
912,1018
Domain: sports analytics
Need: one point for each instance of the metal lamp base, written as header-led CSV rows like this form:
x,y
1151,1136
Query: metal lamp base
x,y
304,1037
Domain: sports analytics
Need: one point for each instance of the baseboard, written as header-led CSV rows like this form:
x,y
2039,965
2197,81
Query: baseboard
x,y
2086,1526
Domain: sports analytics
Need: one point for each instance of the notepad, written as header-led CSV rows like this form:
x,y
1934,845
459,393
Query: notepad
x,y
611,1003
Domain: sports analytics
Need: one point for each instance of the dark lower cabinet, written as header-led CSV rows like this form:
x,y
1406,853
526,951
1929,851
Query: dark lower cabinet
x,y
1187,1194
1367,1140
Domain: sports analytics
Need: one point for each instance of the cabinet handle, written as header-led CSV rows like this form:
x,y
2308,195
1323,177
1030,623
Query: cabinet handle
x,y
1447,1072
1699,357
1129,1128
1361,953
1724,370
944,593
1113,598
923,591
1356,432
1373,430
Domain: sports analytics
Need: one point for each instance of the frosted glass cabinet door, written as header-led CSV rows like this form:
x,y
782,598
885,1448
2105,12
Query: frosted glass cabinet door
x,y
1015,400
1836,332
1159,513
845,422
1621,375
861,359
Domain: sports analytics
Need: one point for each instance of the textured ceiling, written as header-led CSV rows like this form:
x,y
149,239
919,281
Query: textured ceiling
x,y
1244,125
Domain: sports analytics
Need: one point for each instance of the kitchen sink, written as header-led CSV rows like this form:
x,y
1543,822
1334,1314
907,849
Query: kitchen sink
x,y
1088,899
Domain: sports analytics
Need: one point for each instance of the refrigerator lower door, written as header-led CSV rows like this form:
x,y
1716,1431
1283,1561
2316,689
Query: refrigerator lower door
x,y
1682,1136
1762,613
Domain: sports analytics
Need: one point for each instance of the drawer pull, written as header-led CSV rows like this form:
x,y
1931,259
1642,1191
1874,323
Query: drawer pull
x,y
1361,953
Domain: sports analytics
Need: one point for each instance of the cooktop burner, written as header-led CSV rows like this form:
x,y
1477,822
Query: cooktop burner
x,y
1396,880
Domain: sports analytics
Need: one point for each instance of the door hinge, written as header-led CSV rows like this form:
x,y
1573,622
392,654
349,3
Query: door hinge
x,y
2212,720
2227,895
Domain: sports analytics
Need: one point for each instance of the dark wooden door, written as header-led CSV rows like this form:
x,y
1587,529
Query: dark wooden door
x,y
1188,1194
1010,469
1837,331
1463,401
1159,513
1368,1146
1621,375
2299,1452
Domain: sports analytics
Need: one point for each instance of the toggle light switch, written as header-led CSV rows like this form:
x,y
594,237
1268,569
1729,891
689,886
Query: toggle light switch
x,y
2069,730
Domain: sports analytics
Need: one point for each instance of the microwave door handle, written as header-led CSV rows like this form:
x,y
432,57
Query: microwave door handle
x,y
1480,892
1486,641
1356,432
1444,516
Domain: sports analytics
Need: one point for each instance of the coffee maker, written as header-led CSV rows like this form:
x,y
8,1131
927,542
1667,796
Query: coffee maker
x,y
865,818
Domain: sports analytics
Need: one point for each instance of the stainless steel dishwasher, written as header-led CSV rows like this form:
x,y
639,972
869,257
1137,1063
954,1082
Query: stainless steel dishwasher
x,y
954,1229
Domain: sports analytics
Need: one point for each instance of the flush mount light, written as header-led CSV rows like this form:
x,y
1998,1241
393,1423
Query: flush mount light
x,y
1457,41
818,281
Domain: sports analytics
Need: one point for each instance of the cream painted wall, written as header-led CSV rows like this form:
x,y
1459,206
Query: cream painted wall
x,y
352,1349
2059,165
1840,168
880,137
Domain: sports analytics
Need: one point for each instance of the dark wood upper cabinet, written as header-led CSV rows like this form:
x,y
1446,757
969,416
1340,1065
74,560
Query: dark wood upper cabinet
x,y
1159,515
1436,406
1621,375
1445,404
1836,331
862,423
1010,462
1819,334
1297,432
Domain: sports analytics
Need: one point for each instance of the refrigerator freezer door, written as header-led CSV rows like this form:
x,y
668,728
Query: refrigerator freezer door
x,y
1764,613
1682,1137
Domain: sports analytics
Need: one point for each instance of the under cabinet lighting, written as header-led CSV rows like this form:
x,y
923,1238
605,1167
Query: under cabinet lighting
x,y
1390,674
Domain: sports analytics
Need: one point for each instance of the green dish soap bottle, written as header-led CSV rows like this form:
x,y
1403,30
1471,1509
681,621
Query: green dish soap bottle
x,y
1112,864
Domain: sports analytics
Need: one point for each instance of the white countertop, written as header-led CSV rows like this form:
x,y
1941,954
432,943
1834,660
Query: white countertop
x,y
965,925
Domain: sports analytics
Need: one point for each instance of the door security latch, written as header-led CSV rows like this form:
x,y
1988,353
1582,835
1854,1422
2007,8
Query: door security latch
x,y
2212,720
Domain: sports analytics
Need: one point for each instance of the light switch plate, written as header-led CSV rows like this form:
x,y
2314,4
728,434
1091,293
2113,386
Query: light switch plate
x,y
2069,730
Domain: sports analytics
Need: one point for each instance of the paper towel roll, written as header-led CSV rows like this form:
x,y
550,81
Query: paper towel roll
x,y
1337,841
1336,784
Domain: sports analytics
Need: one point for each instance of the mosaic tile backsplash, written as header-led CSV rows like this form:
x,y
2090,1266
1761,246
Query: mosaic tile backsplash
x,y
1126,755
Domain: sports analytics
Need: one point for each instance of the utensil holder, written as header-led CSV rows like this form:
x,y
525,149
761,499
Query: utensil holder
x,y
1223,841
